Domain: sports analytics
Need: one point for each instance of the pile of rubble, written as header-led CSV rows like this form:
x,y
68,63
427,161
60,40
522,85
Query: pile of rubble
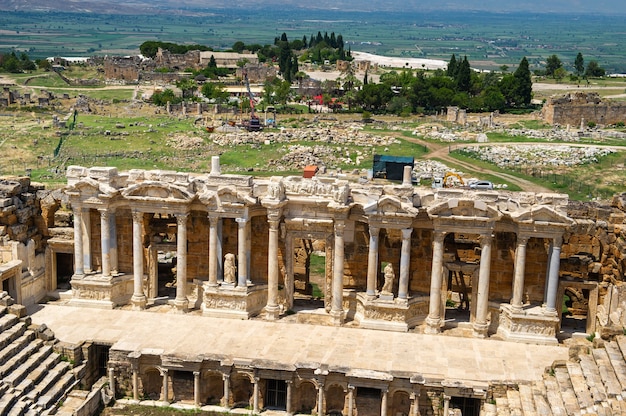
x,y
538,155
184,142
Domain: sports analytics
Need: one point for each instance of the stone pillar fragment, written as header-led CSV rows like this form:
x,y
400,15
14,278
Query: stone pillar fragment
x,y
79,264
520,266
255,398
181,301
242,255
138,299
105,242
433,321
336,310
196,388
372,262
383,403
213,237
405,264
226,398
482,297
113,243
86,235
165,386
272,309
553,275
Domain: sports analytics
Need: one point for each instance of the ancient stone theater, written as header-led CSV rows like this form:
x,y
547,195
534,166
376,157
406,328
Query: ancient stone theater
x,y
328,251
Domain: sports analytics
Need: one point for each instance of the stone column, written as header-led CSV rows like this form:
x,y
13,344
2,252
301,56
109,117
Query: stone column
x,y
255,396
350,400
135,383
139,298
272,309
181,301
433,321
545,285
86,232
112,380
289,395
482,297
383,402
320,399
113,243
165,386
520,266
242,256
446,404
196,388
553,276
79,265
226,398
405,264
336,310
213,221
415,396
248,251
105,242
372,263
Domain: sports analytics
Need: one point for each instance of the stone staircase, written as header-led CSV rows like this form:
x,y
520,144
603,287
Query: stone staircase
x,y
592,382
33,378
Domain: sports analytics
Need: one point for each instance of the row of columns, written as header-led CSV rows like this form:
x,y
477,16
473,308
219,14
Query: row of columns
x,y
434,318
82,242
373,266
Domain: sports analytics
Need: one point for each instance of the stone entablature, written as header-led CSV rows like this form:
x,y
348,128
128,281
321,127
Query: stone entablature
x,y
234,239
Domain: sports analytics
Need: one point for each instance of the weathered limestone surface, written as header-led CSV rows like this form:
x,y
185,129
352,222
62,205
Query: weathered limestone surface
x,y
581,107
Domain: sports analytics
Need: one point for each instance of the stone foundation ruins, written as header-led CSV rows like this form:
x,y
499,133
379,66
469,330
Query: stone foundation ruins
x,y
580,108
395,258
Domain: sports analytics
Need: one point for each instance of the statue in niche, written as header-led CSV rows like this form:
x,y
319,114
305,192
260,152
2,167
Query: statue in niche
x,y
389,278
230,269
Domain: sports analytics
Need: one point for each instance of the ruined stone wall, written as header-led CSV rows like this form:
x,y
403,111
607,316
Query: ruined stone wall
x,y
421,260
198,246
124,224
258,256
574,108
502,270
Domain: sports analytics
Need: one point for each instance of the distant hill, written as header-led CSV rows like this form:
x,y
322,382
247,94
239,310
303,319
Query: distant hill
x,y
196,6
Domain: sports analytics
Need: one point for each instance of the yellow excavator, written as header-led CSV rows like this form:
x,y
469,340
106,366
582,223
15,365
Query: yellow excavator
x,y
449,180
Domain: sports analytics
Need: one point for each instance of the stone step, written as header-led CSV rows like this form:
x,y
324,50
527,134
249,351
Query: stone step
x,y
592,377
9,335
18,409
16,346
57,391
20,373
515,402
607,374
553,395
567,391
6,402
21,357
526,398
579,384
3,310
617,361
7,321
48,381
502,406
539,397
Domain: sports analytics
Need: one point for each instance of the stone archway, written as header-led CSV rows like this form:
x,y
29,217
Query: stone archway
x,y
306,401
401,404
335,400
213,388
242,390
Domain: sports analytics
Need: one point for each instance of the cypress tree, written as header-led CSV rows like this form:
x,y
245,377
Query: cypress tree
x,y
523,83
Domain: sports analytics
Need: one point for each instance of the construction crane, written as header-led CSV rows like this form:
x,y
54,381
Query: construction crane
x,y
254,124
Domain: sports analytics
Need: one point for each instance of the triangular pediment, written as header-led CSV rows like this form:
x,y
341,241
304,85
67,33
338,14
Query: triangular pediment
x,y
541,214
157,191
464,209
390,206
89,188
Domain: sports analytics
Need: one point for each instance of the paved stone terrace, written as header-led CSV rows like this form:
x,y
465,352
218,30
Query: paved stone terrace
x,y
437,356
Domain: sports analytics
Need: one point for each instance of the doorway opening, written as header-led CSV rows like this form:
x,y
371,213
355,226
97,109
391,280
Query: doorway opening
x,y
309,273
368,401
65,270
467,405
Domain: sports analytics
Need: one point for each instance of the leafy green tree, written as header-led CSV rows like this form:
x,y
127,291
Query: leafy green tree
x,y
464,76
552,64
594,70
579,64
523,85
493,99
215,91
187,86
239,46
559,74
161,98
452,67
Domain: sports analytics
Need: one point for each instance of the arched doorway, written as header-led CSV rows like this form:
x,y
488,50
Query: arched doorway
x,y
401,404
242,391
335,400
152,384
307,398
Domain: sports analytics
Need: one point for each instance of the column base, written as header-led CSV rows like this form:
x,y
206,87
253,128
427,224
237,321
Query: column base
x,y
433,325
480,330
139,302
272,312
337,317
533,324
181,305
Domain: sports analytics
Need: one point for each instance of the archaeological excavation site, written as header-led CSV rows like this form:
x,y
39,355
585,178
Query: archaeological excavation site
x,y
320,295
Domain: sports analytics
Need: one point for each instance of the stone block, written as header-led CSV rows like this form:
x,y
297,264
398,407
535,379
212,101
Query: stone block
x,y
17,310
5,202
102,172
